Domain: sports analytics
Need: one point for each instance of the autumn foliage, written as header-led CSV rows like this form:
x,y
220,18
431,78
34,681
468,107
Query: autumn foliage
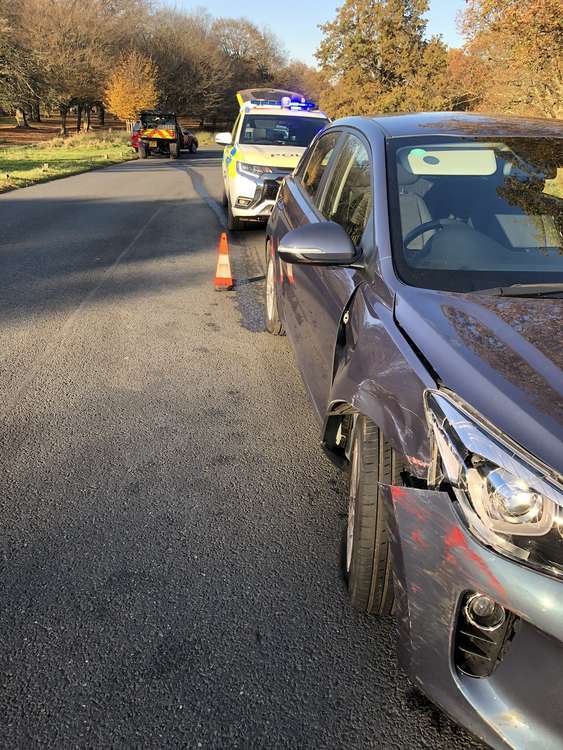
x,y
132,86
376,58
513,57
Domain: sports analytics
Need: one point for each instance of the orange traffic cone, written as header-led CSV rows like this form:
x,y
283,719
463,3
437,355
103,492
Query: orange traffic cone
x,y
223,277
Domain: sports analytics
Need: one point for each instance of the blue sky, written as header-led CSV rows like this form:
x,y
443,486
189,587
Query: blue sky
x,y
296,21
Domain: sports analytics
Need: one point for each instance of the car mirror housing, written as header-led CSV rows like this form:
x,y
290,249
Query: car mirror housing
x,y
223,139
325,243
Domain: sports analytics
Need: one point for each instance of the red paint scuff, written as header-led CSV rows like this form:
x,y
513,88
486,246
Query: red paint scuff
x,y
419,539
456,540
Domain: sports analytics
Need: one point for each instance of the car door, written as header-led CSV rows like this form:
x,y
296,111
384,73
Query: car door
x,y
296,207
318,295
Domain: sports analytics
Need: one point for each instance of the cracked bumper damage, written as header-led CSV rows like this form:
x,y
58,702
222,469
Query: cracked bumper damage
x,y
437,564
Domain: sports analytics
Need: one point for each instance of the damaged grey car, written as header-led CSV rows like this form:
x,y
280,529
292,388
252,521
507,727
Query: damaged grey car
x,y
416,264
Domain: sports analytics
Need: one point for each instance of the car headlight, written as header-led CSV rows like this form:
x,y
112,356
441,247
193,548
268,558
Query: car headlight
x,y
253,170
510,502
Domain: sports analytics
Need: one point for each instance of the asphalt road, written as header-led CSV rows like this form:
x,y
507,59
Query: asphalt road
x,y
169,567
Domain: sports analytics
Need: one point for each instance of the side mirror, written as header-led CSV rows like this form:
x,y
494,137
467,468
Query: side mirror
x,y
223,139
322,244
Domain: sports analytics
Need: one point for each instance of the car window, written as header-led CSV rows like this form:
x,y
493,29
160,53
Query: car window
x,y
318,161
476,213
280,130
348,195
166,122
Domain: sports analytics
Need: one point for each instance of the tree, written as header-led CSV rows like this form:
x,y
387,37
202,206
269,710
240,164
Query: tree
x,y
192,68
21,79
297,76
516,46
255,54
375,58
252,57
132,86
77,44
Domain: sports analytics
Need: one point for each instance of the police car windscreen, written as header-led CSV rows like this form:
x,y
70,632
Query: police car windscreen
x,y
280,130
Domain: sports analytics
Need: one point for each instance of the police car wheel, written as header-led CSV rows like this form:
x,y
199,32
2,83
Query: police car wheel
x,y
273,324
233,222
367,562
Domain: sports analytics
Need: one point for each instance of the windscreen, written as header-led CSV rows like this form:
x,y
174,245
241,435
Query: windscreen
x,y
166,122
280,130
475,214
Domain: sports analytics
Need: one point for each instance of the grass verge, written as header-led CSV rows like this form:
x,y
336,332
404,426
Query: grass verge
x,y
204,137
21,166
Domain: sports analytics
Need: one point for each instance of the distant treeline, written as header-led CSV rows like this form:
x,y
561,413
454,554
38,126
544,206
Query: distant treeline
x,y
375,56
59,55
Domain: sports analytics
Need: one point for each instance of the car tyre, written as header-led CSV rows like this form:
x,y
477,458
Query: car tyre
x,y
273,323
234,224
367,559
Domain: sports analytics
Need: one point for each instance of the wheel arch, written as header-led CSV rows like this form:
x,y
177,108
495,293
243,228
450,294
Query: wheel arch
x,y
377,374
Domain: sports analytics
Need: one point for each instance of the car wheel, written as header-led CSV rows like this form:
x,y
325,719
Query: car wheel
x,y
173,150
142,151
273,324
234,224
367,559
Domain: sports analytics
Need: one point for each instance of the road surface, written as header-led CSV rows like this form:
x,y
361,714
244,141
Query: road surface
x,y
169,565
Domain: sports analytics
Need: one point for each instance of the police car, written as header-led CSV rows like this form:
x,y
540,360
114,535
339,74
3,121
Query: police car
x,y
270,134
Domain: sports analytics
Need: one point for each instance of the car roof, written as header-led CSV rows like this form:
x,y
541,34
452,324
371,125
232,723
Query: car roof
x,y
460,124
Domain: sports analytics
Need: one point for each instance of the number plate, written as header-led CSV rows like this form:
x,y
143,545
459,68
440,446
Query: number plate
x,y
152,144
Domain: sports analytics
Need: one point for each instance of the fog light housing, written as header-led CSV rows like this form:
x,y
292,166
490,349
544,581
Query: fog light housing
x,y
483,633
243,202
483,612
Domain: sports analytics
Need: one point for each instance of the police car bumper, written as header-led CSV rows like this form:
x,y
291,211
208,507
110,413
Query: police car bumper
x,y
256,198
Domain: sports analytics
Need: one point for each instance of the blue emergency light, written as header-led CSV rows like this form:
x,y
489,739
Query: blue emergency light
x,y
297,103
294,103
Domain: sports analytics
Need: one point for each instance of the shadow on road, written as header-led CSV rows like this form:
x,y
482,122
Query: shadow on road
x,y
62,248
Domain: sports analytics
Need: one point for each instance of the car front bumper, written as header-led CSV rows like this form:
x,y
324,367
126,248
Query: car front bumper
x,y
437,562
254,198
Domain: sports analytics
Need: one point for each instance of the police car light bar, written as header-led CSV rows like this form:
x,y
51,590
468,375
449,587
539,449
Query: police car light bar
x,y
294,103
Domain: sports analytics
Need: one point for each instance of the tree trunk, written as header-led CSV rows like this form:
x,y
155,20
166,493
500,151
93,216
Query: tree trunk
x,y
63,111
101,114
78,118
36,112
88,118
21,118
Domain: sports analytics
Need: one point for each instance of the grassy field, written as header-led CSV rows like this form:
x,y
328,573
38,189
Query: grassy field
x,y
21,166
204,137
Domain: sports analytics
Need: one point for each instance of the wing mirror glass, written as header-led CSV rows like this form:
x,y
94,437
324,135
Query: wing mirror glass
x,y
223,139
322,244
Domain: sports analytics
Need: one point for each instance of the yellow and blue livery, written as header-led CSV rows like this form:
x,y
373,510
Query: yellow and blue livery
x,y
270,134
